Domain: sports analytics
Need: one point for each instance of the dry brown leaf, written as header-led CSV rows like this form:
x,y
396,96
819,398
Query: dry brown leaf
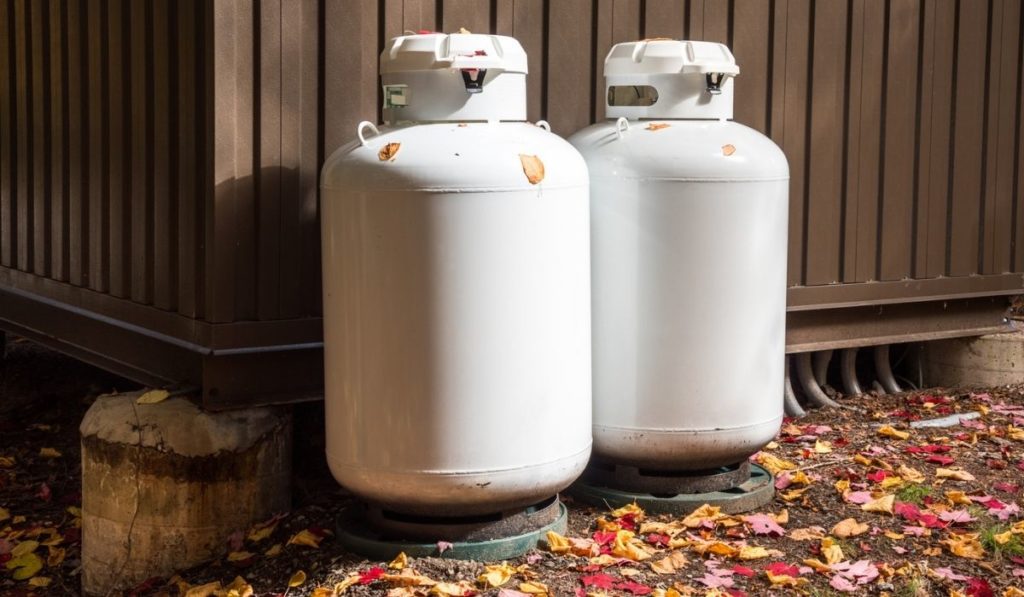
x,y
49,453
670,563
849,527
533,168
728,150
890,431
388,152
951,473
807,534
882,504
533,588
297,580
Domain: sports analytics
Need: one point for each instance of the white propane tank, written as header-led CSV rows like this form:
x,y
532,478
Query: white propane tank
x,y
456,277
689,244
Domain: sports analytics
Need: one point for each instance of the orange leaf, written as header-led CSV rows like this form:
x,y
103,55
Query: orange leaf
x,y
532,167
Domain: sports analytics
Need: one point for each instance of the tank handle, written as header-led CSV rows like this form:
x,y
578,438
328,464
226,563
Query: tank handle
x,y
621,126
363,125
544,125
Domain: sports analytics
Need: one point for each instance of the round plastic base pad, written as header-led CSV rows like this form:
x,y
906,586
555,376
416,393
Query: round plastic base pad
x,y
755,492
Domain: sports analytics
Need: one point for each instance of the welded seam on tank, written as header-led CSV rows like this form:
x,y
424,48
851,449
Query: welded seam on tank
x,y
540,188
467,473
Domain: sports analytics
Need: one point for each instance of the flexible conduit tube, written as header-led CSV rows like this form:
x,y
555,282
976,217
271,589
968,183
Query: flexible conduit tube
x,y
821,359
812,390
792,406
848,371
884,370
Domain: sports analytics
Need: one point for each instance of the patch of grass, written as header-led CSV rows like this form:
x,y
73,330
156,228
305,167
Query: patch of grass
x,y
1013,547
914,493
913,587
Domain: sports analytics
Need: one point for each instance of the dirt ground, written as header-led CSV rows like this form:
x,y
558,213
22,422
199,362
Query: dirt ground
x,y
866,504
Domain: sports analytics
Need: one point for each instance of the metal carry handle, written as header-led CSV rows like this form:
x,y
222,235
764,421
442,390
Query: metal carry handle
x,y
363,125
621,126
544,125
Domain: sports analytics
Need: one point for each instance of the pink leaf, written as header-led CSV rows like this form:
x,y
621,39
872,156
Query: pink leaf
x,y
841,584
763,524
957,516
859,497
948,574
599,580
713,581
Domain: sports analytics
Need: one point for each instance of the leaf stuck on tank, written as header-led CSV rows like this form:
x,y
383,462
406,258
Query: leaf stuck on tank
x,y
533,168
388,152
657,126
728,150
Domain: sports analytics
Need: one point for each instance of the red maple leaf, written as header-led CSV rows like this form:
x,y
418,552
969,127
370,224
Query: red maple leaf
x,y
778,568
659,540
940,460
743,571
978,587
599,580
603,537
371,575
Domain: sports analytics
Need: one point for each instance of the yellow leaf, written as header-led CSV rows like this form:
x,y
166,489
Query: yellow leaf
x,y
933,551
666,593
55,557
1015,433
533,588
842,485
703,514
297,580
910,474
257,534
400,561
956,496
882,504
893,535
670,563
39,581
633,509
237,588
153,397
49,453
273,551
1003,538
862,459
784,580
793,494
533,168
774,464
4,514
1012,592
890,431
831,550
890,482
557,543
388,152
239,556
322,592
657,126
753,552
452,589
822,447
950,473
818,565
496,575
304,537
74,511
24,566
343,586
966,546
849,527
7,461
782,517
625,546
23,548
408,578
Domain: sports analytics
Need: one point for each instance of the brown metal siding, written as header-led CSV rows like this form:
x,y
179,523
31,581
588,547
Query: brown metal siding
x,y
102,146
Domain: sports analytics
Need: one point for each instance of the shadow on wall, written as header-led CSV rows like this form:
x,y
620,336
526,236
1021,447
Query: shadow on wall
x,y
265,246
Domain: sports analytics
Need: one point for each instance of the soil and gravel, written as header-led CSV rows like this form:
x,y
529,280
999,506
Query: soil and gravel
x,y
935,511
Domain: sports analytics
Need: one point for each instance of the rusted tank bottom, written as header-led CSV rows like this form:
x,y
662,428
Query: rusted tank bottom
x,y
662,482
755,489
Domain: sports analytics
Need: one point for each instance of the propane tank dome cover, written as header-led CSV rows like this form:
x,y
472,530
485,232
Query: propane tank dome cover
x,y
669,56
440,51
436,77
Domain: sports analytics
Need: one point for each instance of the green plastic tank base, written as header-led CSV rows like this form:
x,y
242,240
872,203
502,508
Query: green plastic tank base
x,y
357,537
755,492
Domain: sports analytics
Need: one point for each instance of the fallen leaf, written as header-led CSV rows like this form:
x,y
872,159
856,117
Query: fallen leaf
x,y
754,552
273,551
237,588
949,473
728,150
297,580
496,575
307,538
774,464
460,588
49,453
657,126
832,552
24,547
55,557
153,397
965,546
849,527
25,566
400,561
763,524
388,152
533,168
557,543
239,556
204,590
807,534
670,563
890,431
599,580
533,588
39,582
882,504
371,575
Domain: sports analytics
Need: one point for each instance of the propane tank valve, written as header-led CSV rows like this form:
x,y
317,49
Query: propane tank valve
x,y
473,79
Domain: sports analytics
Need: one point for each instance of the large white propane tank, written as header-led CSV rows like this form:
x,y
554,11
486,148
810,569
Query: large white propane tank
x,y
689,241
456,276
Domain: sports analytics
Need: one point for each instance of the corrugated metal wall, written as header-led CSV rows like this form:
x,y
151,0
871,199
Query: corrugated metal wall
x,y
102,147
900,118
159,158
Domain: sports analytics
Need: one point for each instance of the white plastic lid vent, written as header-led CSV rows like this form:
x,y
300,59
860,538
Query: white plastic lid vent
x,y
670,79
457,77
